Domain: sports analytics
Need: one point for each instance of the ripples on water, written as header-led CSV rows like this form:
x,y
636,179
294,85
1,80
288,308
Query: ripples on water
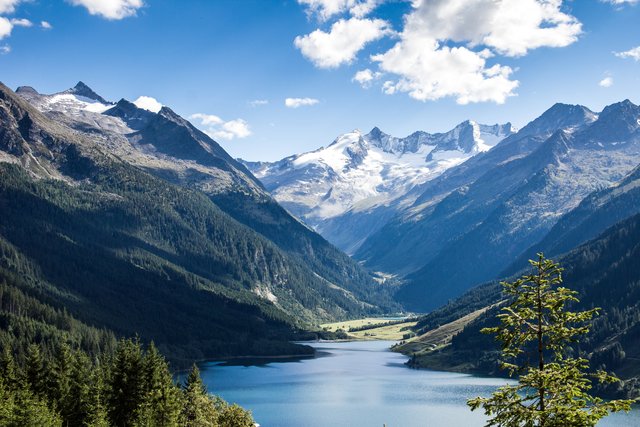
x,y
355,384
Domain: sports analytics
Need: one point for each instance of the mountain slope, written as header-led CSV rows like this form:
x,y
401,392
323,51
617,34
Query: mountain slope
x,y
469,235
122,249
592,216
606,274
165,145
419,232
347,190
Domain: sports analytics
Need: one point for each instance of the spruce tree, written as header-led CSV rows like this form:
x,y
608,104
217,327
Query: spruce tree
x,y
554,391
162,402
8,369
199,410
97,415
126,383
35,372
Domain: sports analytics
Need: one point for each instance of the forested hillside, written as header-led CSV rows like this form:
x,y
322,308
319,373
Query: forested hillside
x,y
605,272
89,234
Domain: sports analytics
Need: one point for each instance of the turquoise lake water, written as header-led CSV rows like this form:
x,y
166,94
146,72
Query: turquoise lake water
x,y
356,384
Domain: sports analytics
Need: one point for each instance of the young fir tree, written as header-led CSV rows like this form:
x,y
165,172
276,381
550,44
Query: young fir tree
x,y
199,409
126,383
162,402
554,392
35,371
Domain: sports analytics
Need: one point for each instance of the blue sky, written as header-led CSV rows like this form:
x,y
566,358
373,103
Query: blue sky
x,y
425,65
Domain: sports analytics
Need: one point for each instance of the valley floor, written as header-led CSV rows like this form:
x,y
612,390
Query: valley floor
x,y
374,328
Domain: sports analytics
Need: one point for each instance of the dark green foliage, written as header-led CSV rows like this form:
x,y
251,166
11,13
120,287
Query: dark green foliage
x,y
272,221
131,387
536,330
191,265
605,272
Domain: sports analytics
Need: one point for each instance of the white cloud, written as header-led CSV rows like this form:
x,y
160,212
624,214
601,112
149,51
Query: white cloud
x,y
606,82
429,67
300,102
21,22
46,25
510,27
5,49
631,53
325,9
5,27
8,6
217,128
620,2
148,103
366,77
341,44
447,48
431,72
258,102
110,9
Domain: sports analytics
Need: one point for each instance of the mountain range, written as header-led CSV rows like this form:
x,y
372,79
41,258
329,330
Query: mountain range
x,y
137,222
451,225
119,220
348,189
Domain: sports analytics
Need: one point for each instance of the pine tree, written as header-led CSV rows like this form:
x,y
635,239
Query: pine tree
x,y
8,369
198,409
126,383
58,379
554,392
34,371
77,405
97,415
162,403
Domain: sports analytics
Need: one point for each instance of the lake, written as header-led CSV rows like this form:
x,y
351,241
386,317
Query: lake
x,y
356,384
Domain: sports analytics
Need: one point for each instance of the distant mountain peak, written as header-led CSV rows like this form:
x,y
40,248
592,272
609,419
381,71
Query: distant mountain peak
x,y
81,89
616,122
560,116
24,90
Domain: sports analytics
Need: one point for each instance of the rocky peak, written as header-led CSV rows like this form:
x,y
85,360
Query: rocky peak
x,y
560,116
617,122
82,89
26,90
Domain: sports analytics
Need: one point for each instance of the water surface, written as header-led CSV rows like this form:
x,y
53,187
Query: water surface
x,y
356,384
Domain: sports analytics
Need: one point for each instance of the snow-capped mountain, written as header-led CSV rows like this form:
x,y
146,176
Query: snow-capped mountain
x,y
476,219
368,175
161,142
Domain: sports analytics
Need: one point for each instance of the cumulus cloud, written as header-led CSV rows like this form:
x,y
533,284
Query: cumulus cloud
x,y
631,53
606,82
45,25
510,27
430,71
5,27
21,22
447,48
217,128
300,102
366,77
8,6
325,9
5,49
258,102
148,103
341,44
110,9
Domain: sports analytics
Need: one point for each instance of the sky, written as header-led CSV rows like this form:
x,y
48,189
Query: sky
x,y
270,78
